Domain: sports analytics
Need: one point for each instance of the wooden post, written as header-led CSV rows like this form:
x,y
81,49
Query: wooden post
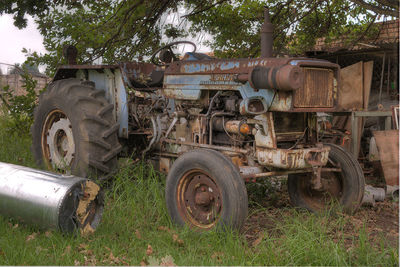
x,y
382,72
354,134
388,78
388,123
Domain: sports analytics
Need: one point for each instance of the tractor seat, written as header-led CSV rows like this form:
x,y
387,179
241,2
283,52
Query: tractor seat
x,y
196,56
153,79
143,75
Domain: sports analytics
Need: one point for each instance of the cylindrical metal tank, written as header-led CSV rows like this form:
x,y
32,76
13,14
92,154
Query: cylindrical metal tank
x,y
50,200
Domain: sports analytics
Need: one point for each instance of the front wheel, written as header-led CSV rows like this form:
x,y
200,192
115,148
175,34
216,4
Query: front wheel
x,y
205,190
345,187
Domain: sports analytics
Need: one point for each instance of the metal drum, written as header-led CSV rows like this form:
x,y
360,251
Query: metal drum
x,y
50,200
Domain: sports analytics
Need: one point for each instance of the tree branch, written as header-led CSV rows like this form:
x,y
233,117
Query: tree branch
x,y
377,9
364,32
204,9
390,3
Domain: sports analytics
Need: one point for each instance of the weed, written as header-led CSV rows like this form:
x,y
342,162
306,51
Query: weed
x,y
20,107
14,146
136,230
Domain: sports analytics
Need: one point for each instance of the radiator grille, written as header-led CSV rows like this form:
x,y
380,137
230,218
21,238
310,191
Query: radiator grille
x,y
317,90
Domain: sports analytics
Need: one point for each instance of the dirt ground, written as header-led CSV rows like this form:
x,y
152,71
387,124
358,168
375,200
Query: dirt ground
x,y
381,222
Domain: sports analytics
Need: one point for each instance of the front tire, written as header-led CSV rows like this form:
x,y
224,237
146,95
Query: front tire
x,y
345,187
204,190
74,129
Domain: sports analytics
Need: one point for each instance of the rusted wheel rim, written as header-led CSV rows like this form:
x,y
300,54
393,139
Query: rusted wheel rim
x,y
58,144
332,184
199,199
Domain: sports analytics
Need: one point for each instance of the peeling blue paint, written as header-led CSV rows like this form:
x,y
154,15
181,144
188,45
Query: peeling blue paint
x,y
122,107
189,87
191,68
106,82
229,65
208,67
266,95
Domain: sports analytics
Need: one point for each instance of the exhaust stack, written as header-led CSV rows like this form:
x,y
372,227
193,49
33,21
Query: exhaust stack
x,y
267,38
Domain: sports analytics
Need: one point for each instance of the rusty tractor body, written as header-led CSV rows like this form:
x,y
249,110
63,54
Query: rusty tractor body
x,y
256,118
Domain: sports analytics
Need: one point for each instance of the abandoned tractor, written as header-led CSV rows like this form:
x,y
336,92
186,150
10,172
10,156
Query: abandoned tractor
x,y
210,124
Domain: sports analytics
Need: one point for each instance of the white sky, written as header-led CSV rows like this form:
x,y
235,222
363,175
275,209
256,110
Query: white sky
x,y
13,40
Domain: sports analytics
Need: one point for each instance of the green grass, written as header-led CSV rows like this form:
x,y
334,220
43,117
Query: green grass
x,y
135,218
15,146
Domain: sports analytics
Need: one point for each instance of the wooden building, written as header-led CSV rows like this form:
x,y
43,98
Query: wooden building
x,y
382,49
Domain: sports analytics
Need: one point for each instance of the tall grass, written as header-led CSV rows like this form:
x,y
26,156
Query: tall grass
x,y
15,143
136,230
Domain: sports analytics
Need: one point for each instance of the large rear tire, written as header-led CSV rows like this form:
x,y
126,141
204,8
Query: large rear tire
x,y
205,191
74,129
345,188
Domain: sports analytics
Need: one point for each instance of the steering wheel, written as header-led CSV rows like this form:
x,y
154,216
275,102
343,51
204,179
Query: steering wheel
x,y
168,55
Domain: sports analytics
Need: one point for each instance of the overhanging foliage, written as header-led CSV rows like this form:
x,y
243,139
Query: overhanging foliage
x,y
126,30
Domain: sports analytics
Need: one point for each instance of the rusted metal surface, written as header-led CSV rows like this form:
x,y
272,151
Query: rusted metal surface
x,y
254,172
264,130
273,173
70,53
267,40
69,71
164,163
231,126
218,124
282,101
388,147
286,77
135,75
232,68
259,80
141,75
250,171
316,182
314,158
89,67
331,189
288,136
351,90
221,148
198,130
242,66
199,199
57,142
317,89
292,159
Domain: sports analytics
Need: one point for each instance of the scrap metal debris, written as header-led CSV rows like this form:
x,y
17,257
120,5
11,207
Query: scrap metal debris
x,y
376,194
85,206
49,200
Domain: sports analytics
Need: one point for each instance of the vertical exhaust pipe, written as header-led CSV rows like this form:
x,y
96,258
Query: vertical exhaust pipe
x,y
267,38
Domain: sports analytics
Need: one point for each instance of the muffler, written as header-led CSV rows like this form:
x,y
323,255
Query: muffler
x,y
49,200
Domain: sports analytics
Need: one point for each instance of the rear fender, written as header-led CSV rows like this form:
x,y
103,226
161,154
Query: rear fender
x,y
107,78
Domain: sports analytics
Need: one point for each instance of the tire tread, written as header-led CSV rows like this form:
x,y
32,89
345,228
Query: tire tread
x,y
98,142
